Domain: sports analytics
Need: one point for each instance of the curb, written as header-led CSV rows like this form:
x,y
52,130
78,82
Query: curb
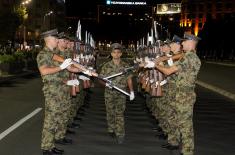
x,y
3,79
217,90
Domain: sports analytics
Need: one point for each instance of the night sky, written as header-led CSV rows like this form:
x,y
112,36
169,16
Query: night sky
x,y
110,28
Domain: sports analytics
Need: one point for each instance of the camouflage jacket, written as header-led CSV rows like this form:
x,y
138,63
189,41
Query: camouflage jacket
x,y
110,68
64,74
188,68
44,57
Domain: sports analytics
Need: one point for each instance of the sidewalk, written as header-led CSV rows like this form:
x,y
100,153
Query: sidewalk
x,y
218,77
4,78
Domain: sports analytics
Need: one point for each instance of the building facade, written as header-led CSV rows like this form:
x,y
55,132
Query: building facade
x,y
195,13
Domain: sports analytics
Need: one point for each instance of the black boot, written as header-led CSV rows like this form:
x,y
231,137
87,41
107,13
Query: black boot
x,y
56,150
69,131
64,141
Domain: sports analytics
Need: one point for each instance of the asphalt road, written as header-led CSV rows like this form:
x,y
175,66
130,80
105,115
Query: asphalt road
x,y
214,123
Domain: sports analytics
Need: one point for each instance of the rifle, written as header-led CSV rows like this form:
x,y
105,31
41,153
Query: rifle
x,y
75,64
112,86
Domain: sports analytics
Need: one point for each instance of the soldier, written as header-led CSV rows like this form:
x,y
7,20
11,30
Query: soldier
x,y
74,99
172,141
64,92
49,71
187,69
115,101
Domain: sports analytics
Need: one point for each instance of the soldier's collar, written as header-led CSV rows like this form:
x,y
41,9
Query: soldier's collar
x,y
48,49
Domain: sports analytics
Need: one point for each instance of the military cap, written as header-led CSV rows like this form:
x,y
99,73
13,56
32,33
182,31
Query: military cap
x,y
53,32
116,46
71,38
176,39
62,35
188,36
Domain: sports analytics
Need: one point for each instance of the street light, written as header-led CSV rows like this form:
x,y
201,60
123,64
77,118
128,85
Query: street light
x,y
24,3
44,18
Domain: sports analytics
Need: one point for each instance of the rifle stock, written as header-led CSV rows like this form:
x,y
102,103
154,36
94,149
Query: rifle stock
x,y
75,64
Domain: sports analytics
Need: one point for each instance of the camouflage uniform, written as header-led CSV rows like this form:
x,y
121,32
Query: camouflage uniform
x,y
64,92
173,136
115,101
51,85
188,68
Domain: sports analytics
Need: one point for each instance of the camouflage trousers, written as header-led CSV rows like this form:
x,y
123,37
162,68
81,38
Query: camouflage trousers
x,y
184,104
115,106
161,110
173,136
55,119
65,108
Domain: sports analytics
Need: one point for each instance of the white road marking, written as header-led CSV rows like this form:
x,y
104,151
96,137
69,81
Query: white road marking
x,y
19,123
217,89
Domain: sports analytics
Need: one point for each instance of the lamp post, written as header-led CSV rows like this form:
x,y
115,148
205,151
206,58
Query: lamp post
x,y
44,18
24,4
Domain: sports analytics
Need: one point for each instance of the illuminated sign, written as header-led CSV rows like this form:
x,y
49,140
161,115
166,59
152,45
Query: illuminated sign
x,y
109,2
169,8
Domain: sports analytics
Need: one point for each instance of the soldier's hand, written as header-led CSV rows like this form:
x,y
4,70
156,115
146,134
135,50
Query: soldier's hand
x,y
132,96
82,77
149,64
66,63
88,72
74,82
108,85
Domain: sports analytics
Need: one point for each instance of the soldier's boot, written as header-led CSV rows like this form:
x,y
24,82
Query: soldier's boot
x,y
162,136
120,139
57,150
74,125
111,134
64,141
77,118
172,147
165,145
157,129
69,131
54,151
46,152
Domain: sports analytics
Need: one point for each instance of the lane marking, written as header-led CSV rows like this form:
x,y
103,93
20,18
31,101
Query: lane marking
x,y
19,123
217,90
221,63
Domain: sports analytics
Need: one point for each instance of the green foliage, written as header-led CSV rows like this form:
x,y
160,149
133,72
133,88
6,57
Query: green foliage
x,y
19,56
6,58
21,12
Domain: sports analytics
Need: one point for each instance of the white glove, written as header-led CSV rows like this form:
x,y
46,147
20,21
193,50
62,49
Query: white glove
x,y
66,63
108,85
82,77
74,82
76,59
87,72
149,64
132,96
170,62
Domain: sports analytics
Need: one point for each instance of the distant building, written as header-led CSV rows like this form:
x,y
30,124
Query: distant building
x,y
195,12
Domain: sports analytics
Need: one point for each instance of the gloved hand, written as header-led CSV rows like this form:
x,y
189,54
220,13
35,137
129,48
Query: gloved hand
x,y
66,63
82,77
108,85
132,96
76,59
149,64
74,82
87,72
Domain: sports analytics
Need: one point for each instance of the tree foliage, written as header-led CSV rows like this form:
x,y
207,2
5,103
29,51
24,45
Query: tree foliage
x,y
10,22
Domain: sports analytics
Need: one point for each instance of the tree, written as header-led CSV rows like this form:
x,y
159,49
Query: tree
x,y
10,22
